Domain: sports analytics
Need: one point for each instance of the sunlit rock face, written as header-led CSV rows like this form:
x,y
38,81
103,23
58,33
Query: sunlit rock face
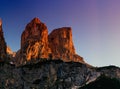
x,y
10,53
34,41
61,44
0,22
36,44
2,44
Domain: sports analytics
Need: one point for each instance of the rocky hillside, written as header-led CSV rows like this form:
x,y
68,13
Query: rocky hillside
x,y
52,74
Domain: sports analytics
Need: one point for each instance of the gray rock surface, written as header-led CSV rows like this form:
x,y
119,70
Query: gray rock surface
x,y
51,74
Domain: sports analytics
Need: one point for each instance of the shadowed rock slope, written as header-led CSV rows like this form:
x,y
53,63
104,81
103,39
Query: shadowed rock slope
x,y
52,74
103,82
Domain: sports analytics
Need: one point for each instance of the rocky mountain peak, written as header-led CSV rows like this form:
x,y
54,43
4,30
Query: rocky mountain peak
x,y
2,43
36,20
34,30
61,43
34,42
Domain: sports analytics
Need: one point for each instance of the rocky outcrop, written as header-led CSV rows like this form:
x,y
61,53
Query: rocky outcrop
x,y
36,44
34,41
10,53
2,44
52,74
61,44
8,50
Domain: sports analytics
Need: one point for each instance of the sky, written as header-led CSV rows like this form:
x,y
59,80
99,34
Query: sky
x,y
95,25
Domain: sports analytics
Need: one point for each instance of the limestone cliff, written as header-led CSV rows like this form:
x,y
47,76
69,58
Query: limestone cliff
x,y
36,44
61,44
34,41
2,44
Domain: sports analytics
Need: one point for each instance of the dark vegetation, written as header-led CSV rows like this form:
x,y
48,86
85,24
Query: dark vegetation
x,y
103,82
107,67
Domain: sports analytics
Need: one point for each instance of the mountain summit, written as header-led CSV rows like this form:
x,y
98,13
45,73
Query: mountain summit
x,y
61,44
36,44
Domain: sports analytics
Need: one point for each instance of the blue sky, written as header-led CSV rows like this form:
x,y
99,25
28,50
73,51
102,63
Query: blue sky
x,y
95,24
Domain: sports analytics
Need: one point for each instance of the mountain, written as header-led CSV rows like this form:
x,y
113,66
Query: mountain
x,y
3,54
34,42
37,44
61,44
49,61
